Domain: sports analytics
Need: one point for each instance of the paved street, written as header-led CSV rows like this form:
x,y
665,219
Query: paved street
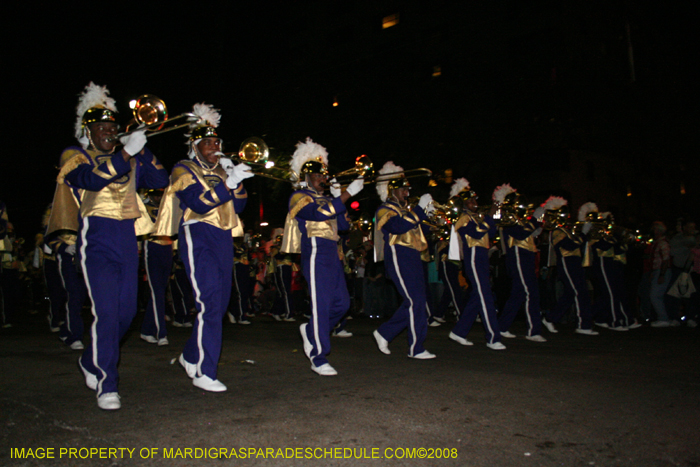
x,y
619,399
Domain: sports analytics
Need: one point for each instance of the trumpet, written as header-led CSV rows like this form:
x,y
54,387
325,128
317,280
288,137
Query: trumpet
x,y
255,153
151,112
365,168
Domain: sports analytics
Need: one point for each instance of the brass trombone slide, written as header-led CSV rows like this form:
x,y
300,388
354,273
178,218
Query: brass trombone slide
x,y
365,169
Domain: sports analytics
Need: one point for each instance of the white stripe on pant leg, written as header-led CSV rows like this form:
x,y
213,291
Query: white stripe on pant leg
x,y
93,328
612,298
63,282
481,294
314,297
571,281
150,286
198,297
527,291
411,317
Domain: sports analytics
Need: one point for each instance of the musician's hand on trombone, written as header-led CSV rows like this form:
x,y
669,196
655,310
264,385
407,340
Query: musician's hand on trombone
x,y
226,163
237,174
426,203
335,188
134,142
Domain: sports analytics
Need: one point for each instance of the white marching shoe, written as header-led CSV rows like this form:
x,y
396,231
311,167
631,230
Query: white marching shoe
x,y
460,340
208,384
109,401
382,343
324,370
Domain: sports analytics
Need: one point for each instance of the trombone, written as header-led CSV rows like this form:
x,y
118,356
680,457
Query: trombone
x,y
151,112
254,152
365,168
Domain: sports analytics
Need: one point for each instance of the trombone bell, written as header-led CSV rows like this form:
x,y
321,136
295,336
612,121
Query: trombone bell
x,y
150,110
254,149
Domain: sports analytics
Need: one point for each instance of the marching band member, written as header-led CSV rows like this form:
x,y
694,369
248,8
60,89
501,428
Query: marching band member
x,y
570,248
449,269
52,278
158,260
472,234
311,228
66,286
399,242
609,310
240,300
205,194
519,239
96,193
281,269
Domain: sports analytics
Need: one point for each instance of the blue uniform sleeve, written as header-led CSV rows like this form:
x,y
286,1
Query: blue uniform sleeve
x,y
343,223
319,213
95,178
151,173
201,201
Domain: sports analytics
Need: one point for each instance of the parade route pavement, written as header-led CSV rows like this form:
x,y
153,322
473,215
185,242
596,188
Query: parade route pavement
x,y
618,399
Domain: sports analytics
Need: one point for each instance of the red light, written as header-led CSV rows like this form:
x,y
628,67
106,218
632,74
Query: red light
x,y
355,205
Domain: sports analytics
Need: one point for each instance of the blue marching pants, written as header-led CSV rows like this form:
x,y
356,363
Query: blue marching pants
x,y
109,260
449,273
480,302
520,264
283,306
207,253
57,294
328,291
405,269
609,308
159,262
240,299
570,271
72,328
181,290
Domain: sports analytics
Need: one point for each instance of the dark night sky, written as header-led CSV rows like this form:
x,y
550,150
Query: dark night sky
x,y
519,78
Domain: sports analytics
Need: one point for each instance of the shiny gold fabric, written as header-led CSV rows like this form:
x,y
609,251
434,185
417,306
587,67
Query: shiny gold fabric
x,y
328,229
222,216
481,226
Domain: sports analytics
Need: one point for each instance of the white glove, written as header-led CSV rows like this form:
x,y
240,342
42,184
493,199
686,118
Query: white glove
x,y
335,188
239,173
226,164
70,249
539,213
586,227
134,143
425,201
356,186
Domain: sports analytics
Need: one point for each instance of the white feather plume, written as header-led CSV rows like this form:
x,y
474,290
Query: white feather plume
x,y
585,210
501,191
554,202
383,186
458,186
306,152
92,96
207,114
